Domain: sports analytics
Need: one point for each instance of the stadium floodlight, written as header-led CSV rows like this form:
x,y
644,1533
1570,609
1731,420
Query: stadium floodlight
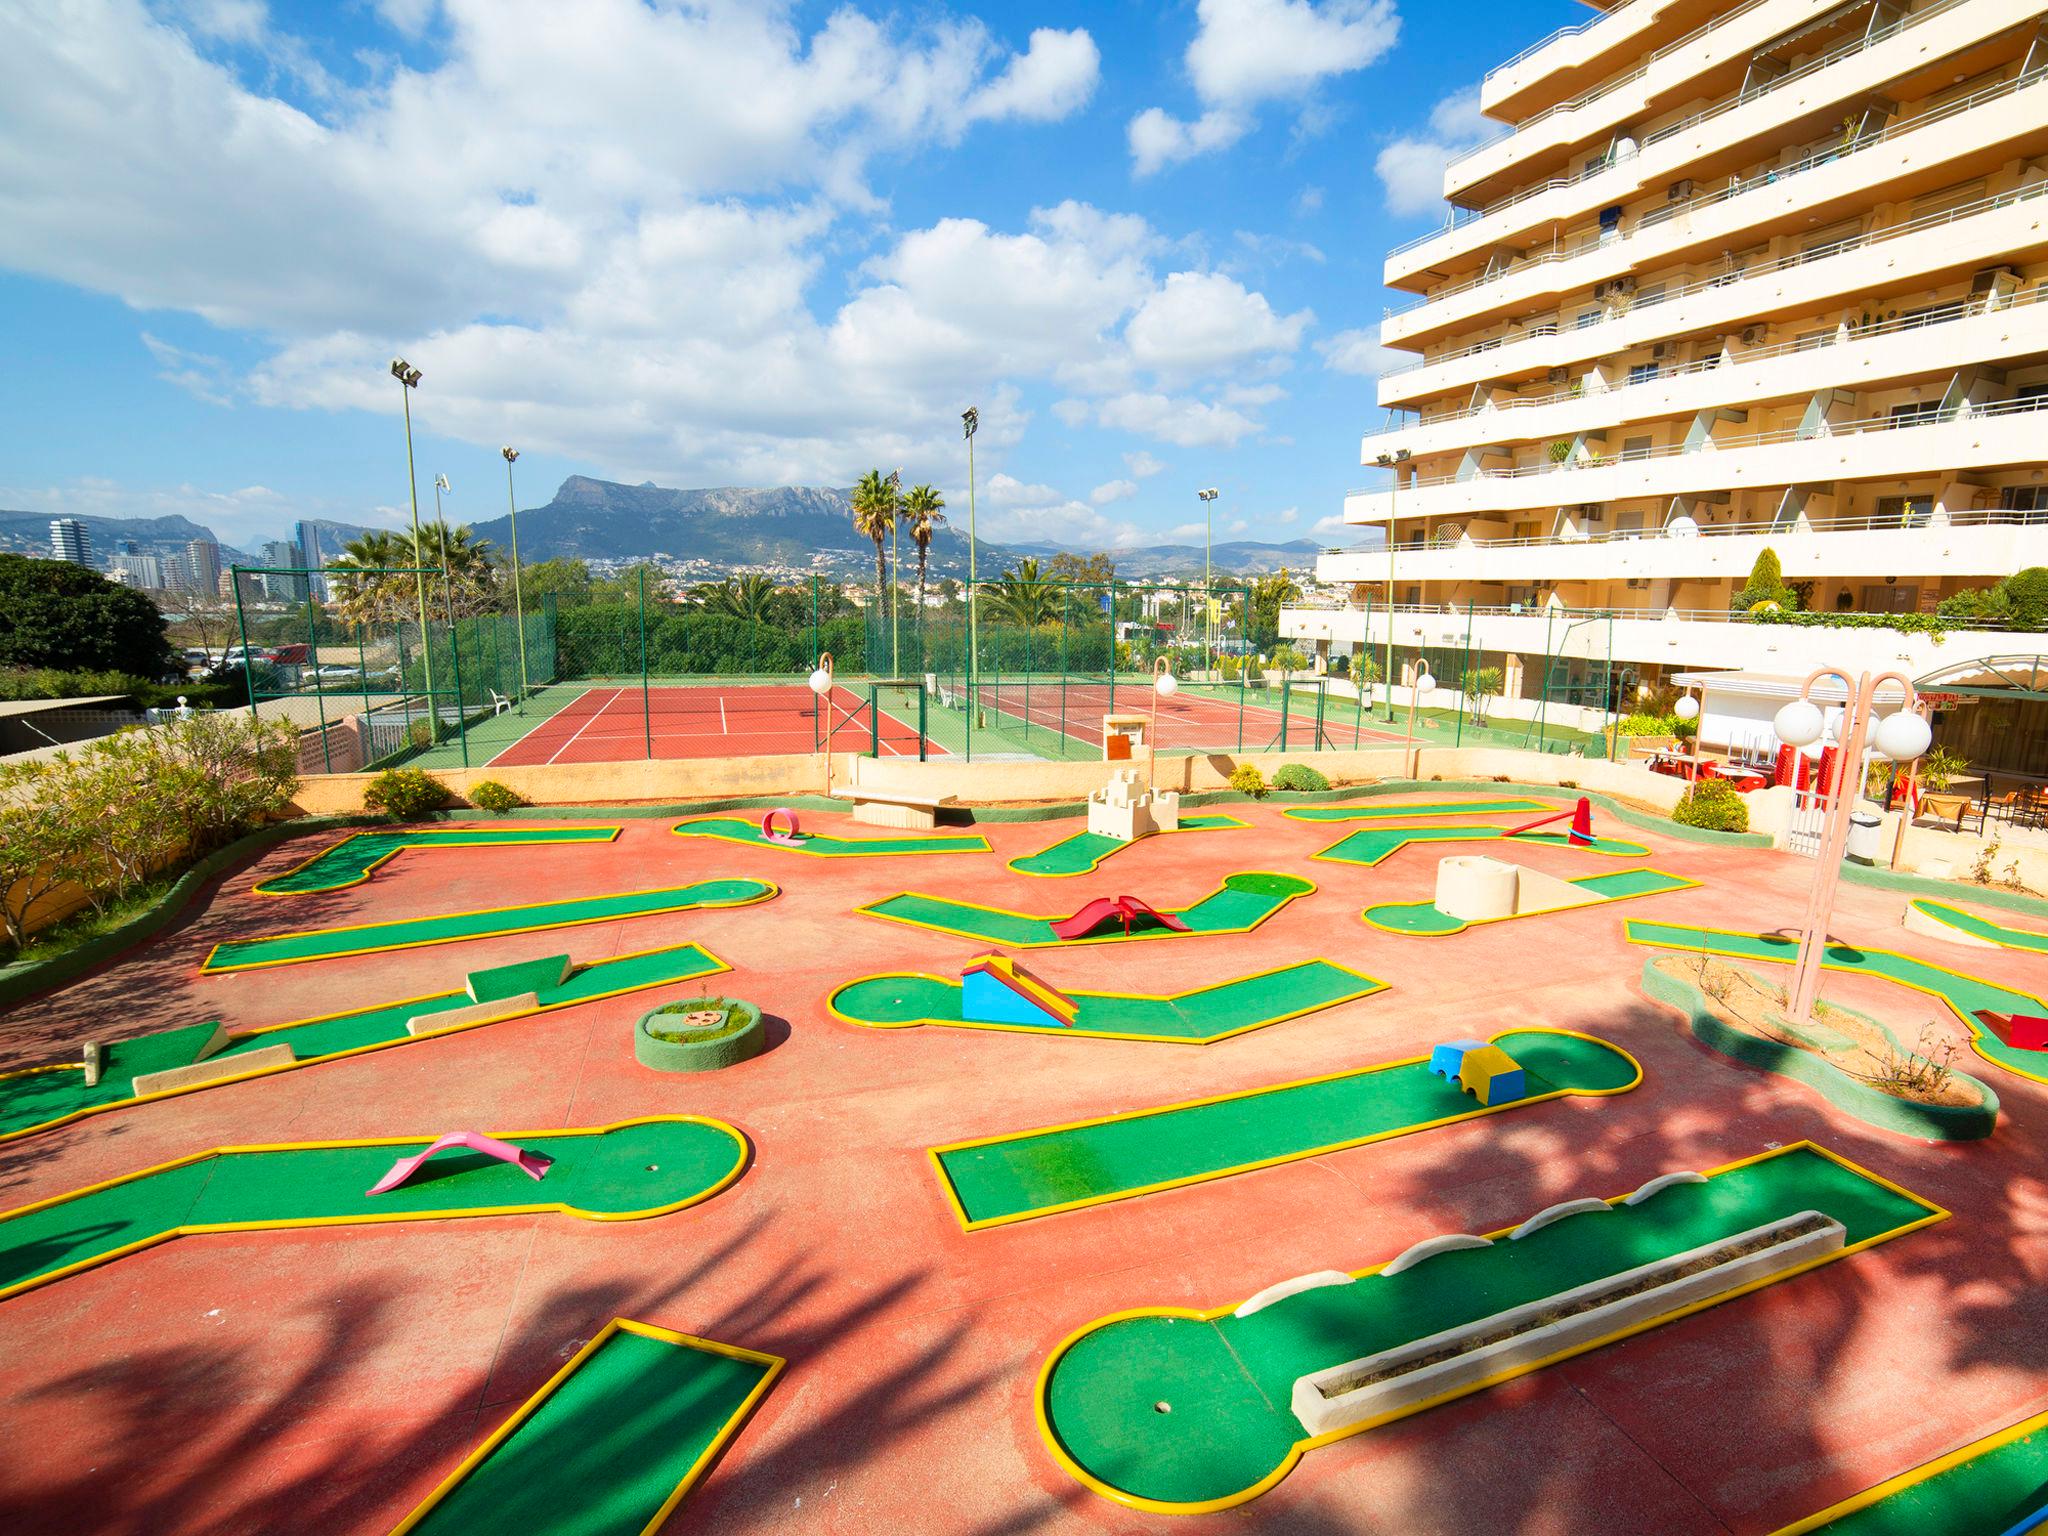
x,y
518,599
409,377
970,422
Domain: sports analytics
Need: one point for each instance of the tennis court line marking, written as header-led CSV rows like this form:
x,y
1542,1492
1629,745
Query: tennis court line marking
x,y
586,725
723,728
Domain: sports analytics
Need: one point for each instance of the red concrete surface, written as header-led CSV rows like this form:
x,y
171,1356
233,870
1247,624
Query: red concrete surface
x,y
767,720
323,1380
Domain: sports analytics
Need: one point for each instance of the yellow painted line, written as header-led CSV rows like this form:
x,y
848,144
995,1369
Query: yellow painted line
x,y
1279,903
887,853
1302,1447
453,841
968,1224
526,1410
1920,1474
1684,884
1229,822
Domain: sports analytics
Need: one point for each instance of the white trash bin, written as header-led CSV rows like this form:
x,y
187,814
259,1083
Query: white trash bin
x,y
1866,835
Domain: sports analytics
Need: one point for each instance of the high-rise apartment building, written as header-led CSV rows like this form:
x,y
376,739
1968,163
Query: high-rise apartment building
x,y
137,570
288,586
70,540
1735,275
307,536
202,558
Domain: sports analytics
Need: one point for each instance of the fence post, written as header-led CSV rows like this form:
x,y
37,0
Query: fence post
x,y
461,720
242,625
1112,645
1465,678
646,709
319,692
922,703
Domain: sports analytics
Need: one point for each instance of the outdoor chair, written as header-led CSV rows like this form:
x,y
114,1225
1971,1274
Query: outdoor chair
x,y
499,703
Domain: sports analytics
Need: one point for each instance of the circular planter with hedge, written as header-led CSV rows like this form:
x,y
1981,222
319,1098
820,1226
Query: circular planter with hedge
x,y
698,1034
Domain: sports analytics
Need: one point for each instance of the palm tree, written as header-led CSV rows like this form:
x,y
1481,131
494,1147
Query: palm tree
x,y
1025,597
471,573
739,597
367,601
874,514
921,510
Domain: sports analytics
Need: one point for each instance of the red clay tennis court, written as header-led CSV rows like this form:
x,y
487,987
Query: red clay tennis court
x,y
1188,721
608,723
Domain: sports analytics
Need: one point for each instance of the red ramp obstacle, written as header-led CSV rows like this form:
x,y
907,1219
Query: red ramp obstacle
x,y
1581,817
1104,910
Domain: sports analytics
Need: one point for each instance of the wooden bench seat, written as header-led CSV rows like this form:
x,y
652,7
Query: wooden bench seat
x,y
897,808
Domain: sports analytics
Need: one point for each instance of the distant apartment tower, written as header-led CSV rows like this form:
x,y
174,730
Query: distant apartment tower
x,y
287,586
307,537
138,570
1733,275
202,558
70,540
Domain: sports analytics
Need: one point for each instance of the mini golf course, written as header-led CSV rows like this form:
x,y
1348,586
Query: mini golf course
x,y
1963,994
352,860
1240,904
1084,851
1982,927
1175,1411
639,1412
1380,810
1997,1486
1425,919
905,1000
492,922
37,1098
737,829
1375,845
995,1180
621,1172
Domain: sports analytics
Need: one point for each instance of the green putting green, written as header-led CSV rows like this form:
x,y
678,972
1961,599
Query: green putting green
x,y
1380,810
41,1097
1425,919
609,1446
1191,1018
1982,927
1989,1486
1240,904
1965,995
1174,1411
1001,1179
603,1173
454,927
1375,845
737,829
350,861
1084,851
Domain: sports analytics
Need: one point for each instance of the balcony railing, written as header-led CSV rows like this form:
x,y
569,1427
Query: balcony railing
x,y
1460,217
1652,218
1565,614
1982,517
1746,274
1558,36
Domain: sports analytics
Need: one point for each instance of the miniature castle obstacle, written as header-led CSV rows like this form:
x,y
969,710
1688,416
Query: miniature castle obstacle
x,y
1122,810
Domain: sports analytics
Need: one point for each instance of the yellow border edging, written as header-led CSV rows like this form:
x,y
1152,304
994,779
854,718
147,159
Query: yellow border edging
x,y
526,1410
967,1224
867,909
202,1229
1302,1447
435,834
1914,1476
1468,834
1922,905
1684,884
676,830
1233,824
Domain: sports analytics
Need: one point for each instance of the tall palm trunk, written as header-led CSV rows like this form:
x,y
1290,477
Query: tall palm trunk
x,y
924,550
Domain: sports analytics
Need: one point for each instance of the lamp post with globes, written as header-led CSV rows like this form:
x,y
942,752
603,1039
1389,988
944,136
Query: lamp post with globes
x,y
518,600
1207,496
409,377
821,688
1902,736
1418,685
1688,708
1164,686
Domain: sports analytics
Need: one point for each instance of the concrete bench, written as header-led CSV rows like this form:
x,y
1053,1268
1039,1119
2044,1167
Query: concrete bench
x,y
891,808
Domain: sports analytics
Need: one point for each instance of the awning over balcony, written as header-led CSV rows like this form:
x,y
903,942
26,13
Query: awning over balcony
x,y
1776,685
1990,677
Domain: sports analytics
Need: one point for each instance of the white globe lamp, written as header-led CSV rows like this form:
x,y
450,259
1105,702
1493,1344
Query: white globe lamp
x,y
1423,681
1167,684
1904,736
1687,708
1799,724
821,680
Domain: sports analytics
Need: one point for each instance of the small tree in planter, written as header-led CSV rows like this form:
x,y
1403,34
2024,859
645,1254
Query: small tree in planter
x,y
1482,687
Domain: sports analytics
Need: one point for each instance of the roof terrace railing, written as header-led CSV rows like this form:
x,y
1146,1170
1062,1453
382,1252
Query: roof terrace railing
x,y
1562,611
1915,519
1558,36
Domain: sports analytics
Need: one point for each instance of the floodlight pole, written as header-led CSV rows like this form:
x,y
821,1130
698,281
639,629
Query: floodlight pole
x,y
970,422
518,601
1163,683
409,380
1207,496
821,688
895,571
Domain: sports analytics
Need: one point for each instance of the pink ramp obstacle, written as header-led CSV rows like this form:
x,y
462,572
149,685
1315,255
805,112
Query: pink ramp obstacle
x,y
771,834
534,1164
1103,909
1581,834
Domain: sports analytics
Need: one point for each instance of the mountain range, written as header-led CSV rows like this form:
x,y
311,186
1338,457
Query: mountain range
x,y
800,527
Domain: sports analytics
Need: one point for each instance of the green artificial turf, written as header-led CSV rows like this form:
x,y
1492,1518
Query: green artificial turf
x,y
1374,845
1963,994
600,1454
1227,1381
631,1170
1983,928
350,861
453,927
1207,1013
35,1100
1037,1172
1374,811
1990,1493
540,974
738,829
1084,851
1424,918
1244,901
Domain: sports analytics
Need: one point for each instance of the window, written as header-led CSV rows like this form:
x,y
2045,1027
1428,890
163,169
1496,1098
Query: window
x,y
2024,498
1809,341
1904,511
1588,317
1636,447
1879,598
1912,412
1641,373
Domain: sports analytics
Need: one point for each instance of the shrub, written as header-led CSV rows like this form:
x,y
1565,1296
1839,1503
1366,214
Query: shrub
x,y
1714,804
1940,767
1647,725
1289,659
405,794
495,797
1298,778
1247,780
1766,584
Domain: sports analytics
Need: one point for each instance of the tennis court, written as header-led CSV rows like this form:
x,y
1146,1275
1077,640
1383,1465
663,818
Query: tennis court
x,y
1056,713
606,723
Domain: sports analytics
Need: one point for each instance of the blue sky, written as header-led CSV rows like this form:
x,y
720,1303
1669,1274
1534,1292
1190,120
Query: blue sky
x,y
711,244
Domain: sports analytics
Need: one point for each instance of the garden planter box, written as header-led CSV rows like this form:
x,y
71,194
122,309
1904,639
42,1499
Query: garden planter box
x,y
718,1049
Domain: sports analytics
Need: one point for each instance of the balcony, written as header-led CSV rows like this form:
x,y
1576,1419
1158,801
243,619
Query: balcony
x,y
1567,62
1973,437
1946,144
1970,331
1670,638
1813,95
1918,253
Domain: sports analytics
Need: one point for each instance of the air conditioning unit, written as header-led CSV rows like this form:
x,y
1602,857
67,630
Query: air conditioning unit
x,y
1661,351
1559,375
1639,583
1678,191
1753,336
